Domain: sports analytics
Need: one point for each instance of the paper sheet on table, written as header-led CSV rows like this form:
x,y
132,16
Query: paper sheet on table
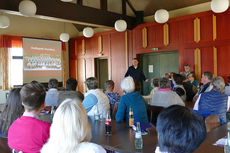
x,y
220,142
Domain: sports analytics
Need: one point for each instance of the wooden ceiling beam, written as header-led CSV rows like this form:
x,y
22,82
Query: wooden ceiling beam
x,y
124,7
80,2
103,5
69,12
131,6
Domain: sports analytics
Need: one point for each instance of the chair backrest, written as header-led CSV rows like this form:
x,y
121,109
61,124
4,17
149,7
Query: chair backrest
x,y
13,151
153,112
212,122
4,146
115,110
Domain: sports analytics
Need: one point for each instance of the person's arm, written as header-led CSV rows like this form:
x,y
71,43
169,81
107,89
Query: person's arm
x,y
120,115
143,76
197,103
228,104
128,72
89,101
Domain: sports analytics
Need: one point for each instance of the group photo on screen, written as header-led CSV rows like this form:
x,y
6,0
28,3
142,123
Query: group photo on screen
x,y
42,62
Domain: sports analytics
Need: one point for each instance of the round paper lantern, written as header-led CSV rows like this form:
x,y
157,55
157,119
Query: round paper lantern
x,y
161,16
88,32
120,25
27,8
219,6
4,21
64,37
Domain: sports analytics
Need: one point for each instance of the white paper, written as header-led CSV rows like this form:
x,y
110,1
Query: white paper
x,y
220,142
150,68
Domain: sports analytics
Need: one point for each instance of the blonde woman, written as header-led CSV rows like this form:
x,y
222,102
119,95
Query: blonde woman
x,y
70,130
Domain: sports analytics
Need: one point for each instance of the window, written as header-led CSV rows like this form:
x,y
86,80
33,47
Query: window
x,y
15,66
0,73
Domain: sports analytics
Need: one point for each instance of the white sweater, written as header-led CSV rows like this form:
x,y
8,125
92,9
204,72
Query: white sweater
x,y
166,99
102,104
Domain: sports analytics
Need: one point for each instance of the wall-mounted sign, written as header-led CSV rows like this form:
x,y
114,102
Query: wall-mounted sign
x,y
150,68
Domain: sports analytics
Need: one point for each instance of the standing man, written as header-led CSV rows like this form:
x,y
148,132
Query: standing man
x,y
135,72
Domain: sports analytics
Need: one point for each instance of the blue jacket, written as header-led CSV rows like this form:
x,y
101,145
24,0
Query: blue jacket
x,y
214,102
139,108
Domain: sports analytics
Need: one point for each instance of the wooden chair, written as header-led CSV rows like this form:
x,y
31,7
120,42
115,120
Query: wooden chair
x,y
4,146
212,122
153,112
115,110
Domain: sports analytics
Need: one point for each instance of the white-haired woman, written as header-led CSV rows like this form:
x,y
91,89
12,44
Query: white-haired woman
x,y
131,98
70,130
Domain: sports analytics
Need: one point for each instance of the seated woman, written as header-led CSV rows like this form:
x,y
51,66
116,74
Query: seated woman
x,y
11,112
70,131
155,86
214,101
165,97
131,98
28,133
179,130
95,100
178,86
192,79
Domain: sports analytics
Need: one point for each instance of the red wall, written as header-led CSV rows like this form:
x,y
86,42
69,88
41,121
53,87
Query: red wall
x,y
181,38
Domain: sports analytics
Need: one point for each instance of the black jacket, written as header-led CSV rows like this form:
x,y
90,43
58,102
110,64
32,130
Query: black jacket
x,y
136,74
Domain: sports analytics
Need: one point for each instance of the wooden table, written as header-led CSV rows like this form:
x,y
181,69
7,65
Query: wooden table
x,y
207,146
122,139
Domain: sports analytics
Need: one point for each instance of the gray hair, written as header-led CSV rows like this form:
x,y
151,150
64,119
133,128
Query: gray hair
x,y
164,83
127,84
91,83
218,84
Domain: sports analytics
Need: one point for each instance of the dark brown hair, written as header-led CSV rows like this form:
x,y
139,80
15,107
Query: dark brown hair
x,y
12,110
53,83
178,79
164,83
71,84
33,96
193,75
155,82
209,75
109,84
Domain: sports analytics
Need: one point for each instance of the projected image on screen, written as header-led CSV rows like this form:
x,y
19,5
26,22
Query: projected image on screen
x,y
42,60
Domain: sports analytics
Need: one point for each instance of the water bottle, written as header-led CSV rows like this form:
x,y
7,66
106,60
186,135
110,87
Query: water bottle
x,y
52,111
97,114
227,142
138,137
108,126
131,118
